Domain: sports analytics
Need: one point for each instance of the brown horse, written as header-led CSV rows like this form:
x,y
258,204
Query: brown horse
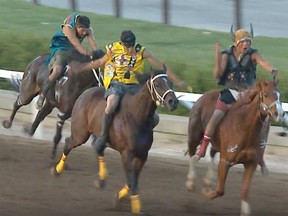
x,y
237,137
67,89
130,133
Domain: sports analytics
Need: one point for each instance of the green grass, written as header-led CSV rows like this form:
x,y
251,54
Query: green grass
x,y
26,30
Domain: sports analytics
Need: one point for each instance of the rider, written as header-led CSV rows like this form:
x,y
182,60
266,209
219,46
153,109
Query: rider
x,y
123,59
66,45
235,69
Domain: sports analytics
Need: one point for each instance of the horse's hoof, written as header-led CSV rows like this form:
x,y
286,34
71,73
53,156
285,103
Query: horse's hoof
x,y
118,200
141,213
207,182
206,191
6,124
190,185
100,184
264,171
27,130
54,172
282,134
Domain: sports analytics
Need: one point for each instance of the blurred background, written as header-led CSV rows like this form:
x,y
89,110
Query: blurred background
x,y
269,16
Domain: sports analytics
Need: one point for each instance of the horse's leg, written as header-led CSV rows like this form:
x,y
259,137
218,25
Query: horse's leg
x,y
133,166
210,178
264,139
192,174
70,143
223,168
58,169
247,177
193,142
62,117
137,165
41,114
102,170
16,107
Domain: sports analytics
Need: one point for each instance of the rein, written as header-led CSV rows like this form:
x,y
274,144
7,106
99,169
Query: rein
x,y
159,100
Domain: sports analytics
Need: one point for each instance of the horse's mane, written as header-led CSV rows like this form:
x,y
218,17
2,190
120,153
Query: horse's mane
x,y
248,96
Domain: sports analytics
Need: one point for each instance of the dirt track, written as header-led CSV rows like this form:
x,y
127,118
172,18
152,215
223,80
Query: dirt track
x,y
28,188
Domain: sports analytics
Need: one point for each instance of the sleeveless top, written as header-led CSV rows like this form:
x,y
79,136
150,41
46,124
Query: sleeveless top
x,y
59,41
239,74
121,66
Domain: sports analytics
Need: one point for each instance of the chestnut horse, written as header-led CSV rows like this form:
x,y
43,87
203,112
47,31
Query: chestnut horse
x,y
67,89
130,133
237,137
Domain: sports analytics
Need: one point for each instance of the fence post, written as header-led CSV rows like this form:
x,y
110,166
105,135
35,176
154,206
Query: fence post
x,y
165,7
238,17
73,4
117,8
36,2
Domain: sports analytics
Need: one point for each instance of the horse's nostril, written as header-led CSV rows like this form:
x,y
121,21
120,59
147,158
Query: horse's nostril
x,y
173,102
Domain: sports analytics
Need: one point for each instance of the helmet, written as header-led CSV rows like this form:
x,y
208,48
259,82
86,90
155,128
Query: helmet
x,y
128,38
241,35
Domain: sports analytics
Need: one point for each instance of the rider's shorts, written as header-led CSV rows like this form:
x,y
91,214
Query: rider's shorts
x,y
63,57
120,89
228,96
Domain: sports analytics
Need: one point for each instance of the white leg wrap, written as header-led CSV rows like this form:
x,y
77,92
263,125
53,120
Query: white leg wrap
x,y
245,208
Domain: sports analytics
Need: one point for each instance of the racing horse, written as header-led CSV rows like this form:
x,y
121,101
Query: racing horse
x,y
130,133
237,138
76,78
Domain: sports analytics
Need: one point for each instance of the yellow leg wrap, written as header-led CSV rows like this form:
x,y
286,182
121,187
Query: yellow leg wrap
x,y
135,204
60,166
123,192
102,169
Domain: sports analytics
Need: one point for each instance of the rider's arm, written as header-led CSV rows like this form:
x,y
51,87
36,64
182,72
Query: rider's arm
x,y
91,39
157,63
264,64
95,64
70,33
220,62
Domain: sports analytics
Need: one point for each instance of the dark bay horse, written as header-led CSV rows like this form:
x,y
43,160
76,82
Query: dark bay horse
x,y
237,137
130,133
63,96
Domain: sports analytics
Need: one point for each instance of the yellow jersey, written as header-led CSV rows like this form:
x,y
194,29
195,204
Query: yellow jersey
x,y
120,63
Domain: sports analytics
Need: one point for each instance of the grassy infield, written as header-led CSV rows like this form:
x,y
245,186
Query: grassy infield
x,y
26,30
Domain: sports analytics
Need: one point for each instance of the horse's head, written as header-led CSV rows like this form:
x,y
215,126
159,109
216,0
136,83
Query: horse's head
x,y
270,100
160,90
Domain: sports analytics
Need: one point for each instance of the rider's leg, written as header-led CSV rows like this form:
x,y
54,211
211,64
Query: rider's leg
x,y
112,103
220,111
56,72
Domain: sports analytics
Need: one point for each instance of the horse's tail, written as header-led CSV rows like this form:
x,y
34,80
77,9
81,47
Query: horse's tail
x,y
15,82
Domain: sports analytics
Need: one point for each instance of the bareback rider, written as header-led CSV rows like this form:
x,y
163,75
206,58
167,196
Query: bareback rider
x,y
124,59
66,45
235,69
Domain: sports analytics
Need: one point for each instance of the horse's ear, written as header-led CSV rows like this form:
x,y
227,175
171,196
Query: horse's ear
x,y
164,68
142,77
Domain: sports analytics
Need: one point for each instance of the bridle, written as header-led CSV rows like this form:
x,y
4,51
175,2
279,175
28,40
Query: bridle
x,y
156,97
267,108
